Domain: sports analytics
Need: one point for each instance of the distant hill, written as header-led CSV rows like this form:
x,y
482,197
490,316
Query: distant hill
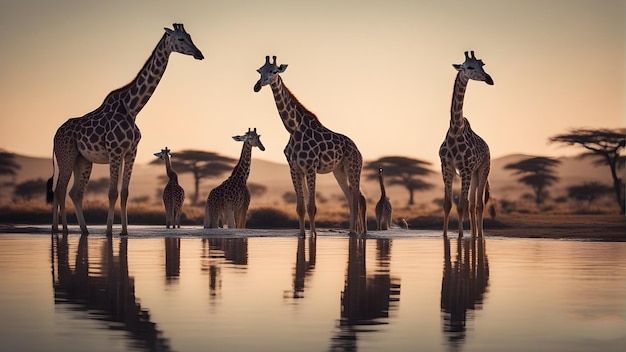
x,y
275,176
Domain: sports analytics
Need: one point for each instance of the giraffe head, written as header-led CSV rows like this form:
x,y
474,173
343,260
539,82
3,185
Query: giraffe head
x,y
252,138
180,41
269,72
472,68
163,153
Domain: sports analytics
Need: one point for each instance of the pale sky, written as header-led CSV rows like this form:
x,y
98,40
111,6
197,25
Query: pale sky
x,y
379,72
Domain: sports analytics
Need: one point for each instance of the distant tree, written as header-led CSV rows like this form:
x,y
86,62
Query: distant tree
x,y
256,189
98,186
30,189
201,165
604,145
402,171
8,166
536,172
588,192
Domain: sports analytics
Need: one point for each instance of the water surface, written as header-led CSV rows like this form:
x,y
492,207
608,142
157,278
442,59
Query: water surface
x,y
262,290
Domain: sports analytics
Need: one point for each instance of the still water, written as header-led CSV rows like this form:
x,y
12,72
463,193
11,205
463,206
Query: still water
x,y
273,291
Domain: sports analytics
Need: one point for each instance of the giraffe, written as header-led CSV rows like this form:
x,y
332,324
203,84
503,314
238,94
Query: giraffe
x,y
464,151
383,207
173,194
109,135
314,149
229,201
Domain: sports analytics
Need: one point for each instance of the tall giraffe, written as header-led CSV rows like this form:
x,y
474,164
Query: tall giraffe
x,y
465,151
314,149
229,201
109,135
173,193
383,207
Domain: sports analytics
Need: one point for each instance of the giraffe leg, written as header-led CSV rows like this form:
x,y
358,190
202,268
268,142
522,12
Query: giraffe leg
x,y
207,218
311,208
58,204
472,203
114,169
296,178
129,161
242,213
230,217
462,207
448,177
483,173
342,180
82,172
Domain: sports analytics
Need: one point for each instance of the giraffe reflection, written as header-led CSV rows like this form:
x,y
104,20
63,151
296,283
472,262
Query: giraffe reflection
x,y
219,251
103,284
304,267
367,298
463,286
172,259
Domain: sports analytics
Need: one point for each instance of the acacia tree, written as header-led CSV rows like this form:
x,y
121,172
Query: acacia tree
x,y
200,164
8,165
536,172
402,171
588,192
30,189
603,145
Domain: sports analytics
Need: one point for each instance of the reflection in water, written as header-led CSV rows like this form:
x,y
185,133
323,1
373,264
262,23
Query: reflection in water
x,y
463,286
102,284
218,251
367,298
172,259
304,267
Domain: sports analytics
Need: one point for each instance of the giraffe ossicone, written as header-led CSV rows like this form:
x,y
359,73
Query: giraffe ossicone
x,y
173,193
465,152
109,135
228,203
314,149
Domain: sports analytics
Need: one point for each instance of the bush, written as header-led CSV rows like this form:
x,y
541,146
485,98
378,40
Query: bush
x,y
270,218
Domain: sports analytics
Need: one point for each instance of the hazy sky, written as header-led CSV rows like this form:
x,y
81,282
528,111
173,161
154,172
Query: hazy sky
x,y
378,71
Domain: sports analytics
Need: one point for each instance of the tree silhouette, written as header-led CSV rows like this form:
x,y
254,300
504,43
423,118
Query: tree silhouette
x,y
30,189
604,146
8,166
201,165
588,192
401,171
537,172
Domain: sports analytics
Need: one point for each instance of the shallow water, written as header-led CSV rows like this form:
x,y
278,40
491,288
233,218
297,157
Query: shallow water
x,y
265,290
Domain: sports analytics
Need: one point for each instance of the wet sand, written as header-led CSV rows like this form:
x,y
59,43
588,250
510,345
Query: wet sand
x,y
597,227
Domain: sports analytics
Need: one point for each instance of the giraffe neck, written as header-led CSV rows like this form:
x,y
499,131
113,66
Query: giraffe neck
x,y
291,111
242,169
171,174
457,121
383,194
136,94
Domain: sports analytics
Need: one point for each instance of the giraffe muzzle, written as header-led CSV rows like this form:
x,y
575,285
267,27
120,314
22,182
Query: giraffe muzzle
x,y
257,86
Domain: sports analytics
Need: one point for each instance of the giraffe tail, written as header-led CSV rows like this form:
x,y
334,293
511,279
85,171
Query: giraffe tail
x,y
49,191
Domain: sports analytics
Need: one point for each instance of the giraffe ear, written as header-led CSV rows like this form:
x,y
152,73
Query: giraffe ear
x,y
457,67
239,138
168,31
282,68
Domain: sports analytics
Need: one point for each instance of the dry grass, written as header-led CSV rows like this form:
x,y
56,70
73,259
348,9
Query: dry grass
x,y
601,226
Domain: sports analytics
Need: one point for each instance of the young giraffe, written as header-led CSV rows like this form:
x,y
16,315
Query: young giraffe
x,y
109,135
383,207
313,149
173,194
465,151
229,201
